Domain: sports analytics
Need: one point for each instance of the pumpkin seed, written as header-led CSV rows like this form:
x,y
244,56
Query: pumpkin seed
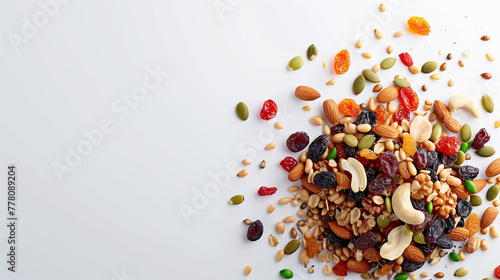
x,y
437,129
488,104
296,63
470,187
286,273
464,147
401,276
454,257
487,278
388,63
492,193
475,200
291,247
388,204
429,67
430,207
401,83
486,151
366,142
242,111
461,158
359,84
371,76
408,229
312,52
461,272
333,153
237,199
351,140
382,221
419,237
465,132
456,166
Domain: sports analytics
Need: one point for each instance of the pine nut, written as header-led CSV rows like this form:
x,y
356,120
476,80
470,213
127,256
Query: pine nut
x,y
484,244
278,125
280,226
289,219
451,82
280,255
295,202
270,146
496,203
293,188
242,173
317,120
398,34
494,231
378,34
461,255
285,200
383,9
248,269
436,76
359,44
490,57
376,68
246,161
390,49
271,208
367,55
307,108
303,156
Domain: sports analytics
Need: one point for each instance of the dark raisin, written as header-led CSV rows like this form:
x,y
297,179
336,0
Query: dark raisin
x,y
432,159
421,159
450,224
336,241
461,222
467,172
365,241
337,129
255,230
357,197
383,261
367,116
425,248
325,219
350,151
364,161
297,141
464,208
325,179
410,266
444,242
382,185
371,174
448,160
424,224
481,138
389,164
433,175
418,204
317,148
435,230
391,226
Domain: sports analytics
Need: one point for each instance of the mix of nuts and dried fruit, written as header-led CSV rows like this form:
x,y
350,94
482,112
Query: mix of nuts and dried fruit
x,y
382,192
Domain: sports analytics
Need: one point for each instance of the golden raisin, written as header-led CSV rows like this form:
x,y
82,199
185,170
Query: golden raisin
x,y
473,224
341,62
349,107
419,25
382,114
367,153
409,145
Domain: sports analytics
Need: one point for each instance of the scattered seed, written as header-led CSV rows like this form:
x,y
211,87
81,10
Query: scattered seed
x,y
296,63
443,66
377,88
424,274
414,69
371,76
475,200
248,269
436,76
242,173
378,34
247,221
271,208
491,180
317,120
383,8
359,44
376,68
388,63
390,49
496,203
270,146
466,53
461,272
432,117
451,82
310,270
401,83
359,84
363,105
449,56
460,63
246,161
312,52
424,87
324,64
429,67
289,219
262,164
439,275
484,245
280,255
490,57
237,199
487,103
366,276
428,102
398,34
285,200
331,82
292,246
485,38
497,124
492,193
367,55
278,125
327,270
307,108
440,52
494,231
486,75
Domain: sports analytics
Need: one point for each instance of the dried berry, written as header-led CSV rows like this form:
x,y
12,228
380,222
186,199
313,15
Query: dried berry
x,y
288,163
408,98
444,242
363,160
435,230
383,185
433,175
410,266
467,172
335,240
432,159
341,154
263,191
340,269
463,208
400,115
418,204
425,248
391,226
350,151
461,222
371,174
383,261
497,272
450,224
367,116
325,180
389,164
419,25
424,224
382,114
473,224
297,141
406,59
255,230
356,196
421,159
365,241
349,107
317,148
449,160
341,62
337,128
448,145
409,145
481,138
269,110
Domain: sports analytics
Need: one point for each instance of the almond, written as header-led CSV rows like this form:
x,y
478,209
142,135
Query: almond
x,y
311,187
480,184
414,254
306,93
387,95
458,234
358,267
371,254
489,215
386,131
452,124
494,168
331,111
441,110
460,191
340,231
296,172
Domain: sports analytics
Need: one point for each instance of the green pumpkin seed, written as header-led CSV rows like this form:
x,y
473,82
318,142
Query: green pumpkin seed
x,y
488,104
401,276
486,151
492,193
456,166
470,187
461,272
465,133
382,221
429,67
388,204
408,229
419,237
470,143
371,76
461,158
437,129
312,52
464,147
291,247
475,200
454,257
333,153
487,278
401,83
242,111
430,207
366,142
296,63
286,273
387,63
359,84
351,140
237,199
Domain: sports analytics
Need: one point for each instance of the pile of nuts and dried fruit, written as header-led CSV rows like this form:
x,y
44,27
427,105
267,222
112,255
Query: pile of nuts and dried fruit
x,y
381,191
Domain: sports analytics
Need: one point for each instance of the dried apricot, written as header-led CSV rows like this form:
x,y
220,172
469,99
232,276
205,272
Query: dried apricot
x,y
409,145
349,107
473,224
341,62
367,153
382,114
419,25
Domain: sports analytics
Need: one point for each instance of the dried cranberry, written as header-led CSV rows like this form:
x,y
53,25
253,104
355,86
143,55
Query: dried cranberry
x,y
317,148
391,226
435,230
263,191
410,266
325,179
383,185
389,164
400,115
449,160
467,172
406,59
367,116
448,145
365,241
364,161
337,129
408,98
481,138
255,230
297,141
340,269
269,110
288,163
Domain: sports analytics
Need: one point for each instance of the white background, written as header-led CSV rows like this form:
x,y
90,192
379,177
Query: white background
x,y
116,215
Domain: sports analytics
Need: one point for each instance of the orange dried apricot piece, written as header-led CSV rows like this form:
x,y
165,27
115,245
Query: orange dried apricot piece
x,y
369,154
473,224
409,145
382,114
341,62
349,107
419,25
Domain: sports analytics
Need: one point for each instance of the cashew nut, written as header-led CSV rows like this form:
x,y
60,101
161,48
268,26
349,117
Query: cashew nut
x,y
358,181
420,129
401,204
464,101
397,242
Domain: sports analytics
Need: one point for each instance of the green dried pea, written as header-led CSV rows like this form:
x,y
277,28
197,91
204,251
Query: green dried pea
x,y
401,276
286,273
242,111
359,84
371,76
430,207
388,63
382,221
312,52
296,63
332,153
454,257
464,147
470,187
